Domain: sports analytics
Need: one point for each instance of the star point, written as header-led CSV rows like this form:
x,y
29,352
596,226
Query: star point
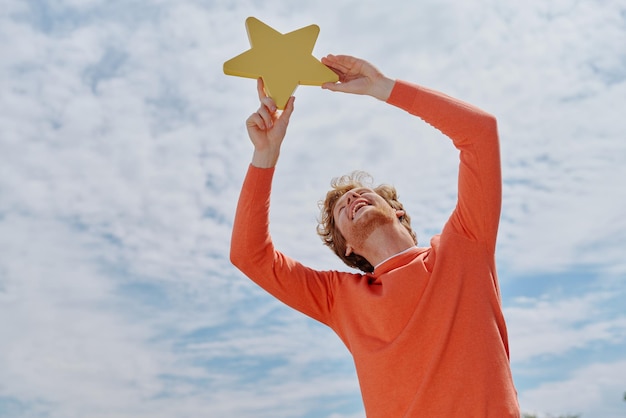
x,y
284,61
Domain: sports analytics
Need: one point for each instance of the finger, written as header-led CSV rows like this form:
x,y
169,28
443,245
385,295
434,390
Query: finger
x,y
333,59
340,74
328,60
255,121
345,60
269,103
334,86
260,88
266,115
263,97
329,86
286,115
335,67
341,63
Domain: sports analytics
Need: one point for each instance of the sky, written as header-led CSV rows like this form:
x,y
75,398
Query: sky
x,y
123,149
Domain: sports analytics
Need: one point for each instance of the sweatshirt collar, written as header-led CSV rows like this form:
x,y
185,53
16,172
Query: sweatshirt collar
x,y
397,260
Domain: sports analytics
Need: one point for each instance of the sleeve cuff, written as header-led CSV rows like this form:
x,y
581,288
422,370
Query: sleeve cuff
x,y
403,94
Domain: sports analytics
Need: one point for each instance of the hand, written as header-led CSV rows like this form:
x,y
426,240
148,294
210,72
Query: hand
x,y
267,128
357,76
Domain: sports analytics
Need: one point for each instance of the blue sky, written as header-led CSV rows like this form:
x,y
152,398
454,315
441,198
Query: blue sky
x,y
123,147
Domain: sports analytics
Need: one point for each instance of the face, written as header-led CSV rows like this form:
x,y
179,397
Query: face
x,y
358,213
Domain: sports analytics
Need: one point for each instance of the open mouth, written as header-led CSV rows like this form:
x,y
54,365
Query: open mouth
x,y
358,206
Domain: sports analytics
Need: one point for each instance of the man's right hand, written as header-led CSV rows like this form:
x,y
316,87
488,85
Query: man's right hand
x,y
267,128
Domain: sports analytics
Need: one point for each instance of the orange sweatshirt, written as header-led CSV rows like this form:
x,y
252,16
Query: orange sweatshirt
x,y
426,328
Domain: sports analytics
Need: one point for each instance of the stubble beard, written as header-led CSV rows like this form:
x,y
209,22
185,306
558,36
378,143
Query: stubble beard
x,y
367,224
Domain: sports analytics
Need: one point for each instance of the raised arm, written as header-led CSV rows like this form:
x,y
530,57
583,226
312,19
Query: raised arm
x,y
473,132
252,250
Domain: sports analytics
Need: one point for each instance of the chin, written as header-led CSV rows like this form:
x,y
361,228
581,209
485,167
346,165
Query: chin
x,y
368,223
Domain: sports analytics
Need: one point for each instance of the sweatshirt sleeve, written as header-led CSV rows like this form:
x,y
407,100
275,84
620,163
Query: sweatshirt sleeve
x,y
474,133
252,251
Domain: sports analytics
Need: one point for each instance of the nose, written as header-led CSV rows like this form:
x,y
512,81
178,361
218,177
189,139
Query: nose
x,y
352,195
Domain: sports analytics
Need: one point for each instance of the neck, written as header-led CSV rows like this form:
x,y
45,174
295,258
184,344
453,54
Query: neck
x,y
385,242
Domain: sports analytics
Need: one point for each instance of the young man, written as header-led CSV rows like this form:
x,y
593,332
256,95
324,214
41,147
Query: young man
x,y
424,324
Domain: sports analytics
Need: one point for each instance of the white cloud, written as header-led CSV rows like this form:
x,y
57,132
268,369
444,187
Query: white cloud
x,y
592,390
64,343
123,148
554,325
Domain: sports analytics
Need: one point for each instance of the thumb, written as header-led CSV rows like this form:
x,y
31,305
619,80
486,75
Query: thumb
x,y
333,86
351,86
288,109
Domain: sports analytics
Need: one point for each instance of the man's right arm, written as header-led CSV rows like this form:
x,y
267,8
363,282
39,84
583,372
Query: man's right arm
x,y
252,250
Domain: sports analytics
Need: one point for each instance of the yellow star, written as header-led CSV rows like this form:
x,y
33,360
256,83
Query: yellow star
x,y
282,60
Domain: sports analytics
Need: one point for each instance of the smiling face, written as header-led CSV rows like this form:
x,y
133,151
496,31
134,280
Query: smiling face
x,y
369,208
358,213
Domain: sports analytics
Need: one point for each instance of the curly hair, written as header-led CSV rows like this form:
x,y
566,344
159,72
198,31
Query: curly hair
x,y
327,228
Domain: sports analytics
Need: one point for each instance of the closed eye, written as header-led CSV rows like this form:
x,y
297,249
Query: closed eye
x,y
363,190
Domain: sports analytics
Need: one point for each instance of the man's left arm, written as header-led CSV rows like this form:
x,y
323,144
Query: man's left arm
x,y
477,213
474,133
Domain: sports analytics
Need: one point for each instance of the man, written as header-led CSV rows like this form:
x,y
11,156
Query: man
x,y
423,324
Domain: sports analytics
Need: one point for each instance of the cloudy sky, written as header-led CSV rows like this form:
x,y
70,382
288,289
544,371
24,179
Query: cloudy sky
x,y
123,147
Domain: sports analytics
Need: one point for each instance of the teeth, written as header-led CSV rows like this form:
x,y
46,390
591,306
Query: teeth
x,y
357,207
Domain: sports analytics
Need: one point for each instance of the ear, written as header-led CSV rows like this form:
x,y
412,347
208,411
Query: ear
x,y
400,213
349,250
